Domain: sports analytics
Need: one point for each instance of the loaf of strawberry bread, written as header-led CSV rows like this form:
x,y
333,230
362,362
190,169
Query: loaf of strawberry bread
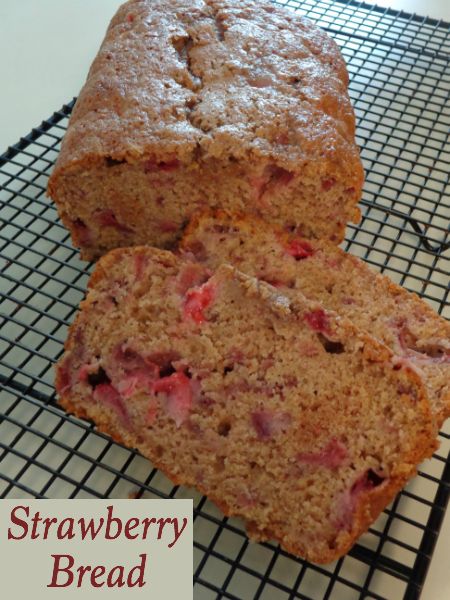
x,y
192,104
417,335
281,412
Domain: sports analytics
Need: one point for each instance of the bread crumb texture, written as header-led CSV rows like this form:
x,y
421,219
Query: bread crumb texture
x,y
418,336
278,409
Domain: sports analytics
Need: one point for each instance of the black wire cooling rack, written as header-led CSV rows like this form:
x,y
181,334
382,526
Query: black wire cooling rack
x,y
400,82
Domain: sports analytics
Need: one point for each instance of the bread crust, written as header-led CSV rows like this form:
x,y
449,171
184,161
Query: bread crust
x,y
235,102
135,106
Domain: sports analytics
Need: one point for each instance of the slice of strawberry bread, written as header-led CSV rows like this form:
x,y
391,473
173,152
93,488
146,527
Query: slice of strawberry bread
x,y
281,412
344,283
192,104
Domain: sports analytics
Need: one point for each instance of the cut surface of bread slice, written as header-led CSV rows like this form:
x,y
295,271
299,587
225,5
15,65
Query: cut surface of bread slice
x,y
340,281
281,412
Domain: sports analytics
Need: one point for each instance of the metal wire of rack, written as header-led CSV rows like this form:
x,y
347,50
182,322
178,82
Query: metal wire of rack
x,y
398,66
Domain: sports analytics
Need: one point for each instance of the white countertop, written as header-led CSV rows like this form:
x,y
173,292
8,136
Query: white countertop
x,y
47,47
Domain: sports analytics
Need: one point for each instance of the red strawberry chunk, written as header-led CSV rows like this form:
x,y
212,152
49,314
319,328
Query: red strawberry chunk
x,y
195,250
267,424
434,353
408,390
300,249
275,282
281,176
331,456
317,319
178,392
63,378
421,357
271,178
191,275
347,503
327,184
124,357
246,499
81,232
107,218
138,380
261,422
152,166
83,373
282,138
106,394
308,350
168,226
162,360
86,370
444,358
258,185
197,300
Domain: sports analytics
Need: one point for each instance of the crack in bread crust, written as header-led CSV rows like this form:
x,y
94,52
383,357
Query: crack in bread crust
x,y
208,102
